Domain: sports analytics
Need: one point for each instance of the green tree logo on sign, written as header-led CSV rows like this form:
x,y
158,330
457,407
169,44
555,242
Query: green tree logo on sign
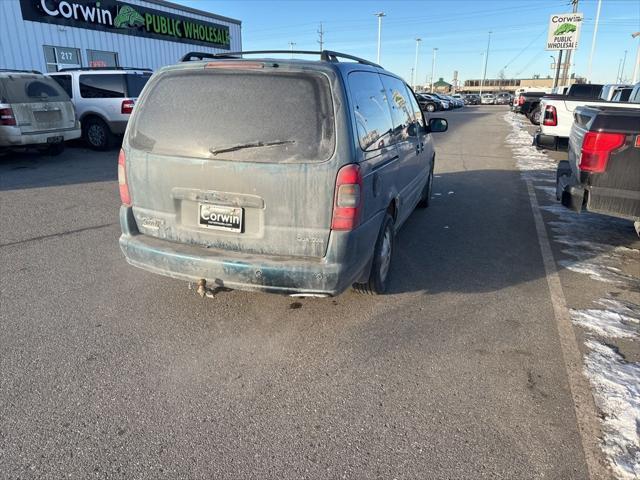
x,y
128,17
565,28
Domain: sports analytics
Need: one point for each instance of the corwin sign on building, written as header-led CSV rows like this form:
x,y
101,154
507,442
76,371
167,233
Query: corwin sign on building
x,y
120,17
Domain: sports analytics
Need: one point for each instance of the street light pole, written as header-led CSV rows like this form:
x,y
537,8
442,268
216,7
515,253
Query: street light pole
x,y
379,15
636,67
291,45
593,41
433,67
415,64
486,60
624,61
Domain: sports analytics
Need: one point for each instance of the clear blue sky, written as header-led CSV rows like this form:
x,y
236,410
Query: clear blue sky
x,y
458,28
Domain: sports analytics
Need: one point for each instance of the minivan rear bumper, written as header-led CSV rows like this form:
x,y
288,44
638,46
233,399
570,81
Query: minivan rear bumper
x,y
243,271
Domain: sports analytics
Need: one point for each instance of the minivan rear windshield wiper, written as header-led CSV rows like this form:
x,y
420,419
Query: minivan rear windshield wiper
x,y
250,145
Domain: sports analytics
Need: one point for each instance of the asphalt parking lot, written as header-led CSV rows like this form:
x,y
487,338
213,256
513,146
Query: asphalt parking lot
x,y
460,372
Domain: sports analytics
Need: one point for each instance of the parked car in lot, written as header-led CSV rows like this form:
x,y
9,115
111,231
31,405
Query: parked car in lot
x,y
447,104
471,99
429,103
104,99
457,98
299,197
602,174
457,101
35,112
529,105
487,98
502,98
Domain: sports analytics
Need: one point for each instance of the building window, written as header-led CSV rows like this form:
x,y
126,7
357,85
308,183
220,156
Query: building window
x,y
98,58
58,58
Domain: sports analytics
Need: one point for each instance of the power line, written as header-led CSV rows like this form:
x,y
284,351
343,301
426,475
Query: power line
x,y
525,48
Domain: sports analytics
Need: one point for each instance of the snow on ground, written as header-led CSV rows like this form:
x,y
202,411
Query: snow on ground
x,y
596,246
617,394
618,320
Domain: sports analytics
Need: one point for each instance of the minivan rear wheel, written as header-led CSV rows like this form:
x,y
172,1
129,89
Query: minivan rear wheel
x,y
381,264
97,134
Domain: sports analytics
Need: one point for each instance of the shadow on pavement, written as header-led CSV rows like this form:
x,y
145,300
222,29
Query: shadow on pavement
x,y
480,237
31,169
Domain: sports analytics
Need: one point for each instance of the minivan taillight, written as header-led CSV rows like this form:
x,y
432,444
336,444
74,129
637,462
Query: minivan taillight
x,y
127,106
7,117
125,198
597,148
348,198
550,116
520,100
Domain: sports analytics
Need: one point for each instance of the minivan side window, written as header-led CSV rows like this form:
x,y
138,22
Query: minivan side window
x,y
65,82
401,111
102,86
371,110
418,119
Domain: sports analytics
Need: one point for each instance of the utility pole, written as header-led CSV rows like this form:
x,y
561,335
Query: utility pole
x,y
624,61
593,41
567,62
379,15
433,67
486,60
557,77
321,35
415,65
291,45
636,67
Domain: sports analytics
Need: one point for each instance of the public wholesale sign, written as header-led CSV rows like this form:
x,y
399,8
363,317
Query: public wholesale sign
x,y
120,17
564,31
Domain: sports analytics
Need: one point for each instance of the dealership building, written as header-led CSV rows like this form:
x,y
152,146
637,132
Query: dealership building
x,y
48,35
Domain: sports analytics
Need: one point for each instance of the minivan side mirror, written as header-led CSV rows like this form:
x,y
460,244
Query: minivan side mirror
x,y
437,125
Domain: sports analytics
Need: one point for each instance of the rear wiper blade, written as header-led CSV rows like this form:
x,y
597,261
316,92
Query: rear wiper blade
x,y
250,145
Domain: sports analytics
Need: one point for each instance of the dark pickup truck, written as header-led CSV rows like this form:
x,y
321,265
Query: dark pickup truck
x,y
529,105
603,171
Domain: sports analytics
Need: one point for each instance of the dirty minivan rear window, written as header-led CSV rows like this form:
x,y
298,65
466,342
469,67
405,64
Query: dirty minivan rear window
x,y
237,116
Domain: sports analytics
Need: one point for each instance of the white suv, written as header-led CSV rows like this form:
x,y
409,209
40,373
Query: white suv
x,y
34,112
104,99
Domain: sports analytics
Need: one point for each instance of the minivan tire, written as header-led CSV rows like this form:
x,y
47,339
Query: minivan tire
x,y
97,134
425,197
381,263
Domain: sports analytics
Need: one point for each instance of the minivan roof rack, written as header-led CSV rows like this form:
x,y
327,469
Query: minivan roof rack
x,y
325,55
19,71
76,69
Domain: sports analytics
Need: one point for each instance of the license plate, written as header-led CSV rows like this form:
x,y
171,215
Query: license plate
x,y
220,218
58,139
